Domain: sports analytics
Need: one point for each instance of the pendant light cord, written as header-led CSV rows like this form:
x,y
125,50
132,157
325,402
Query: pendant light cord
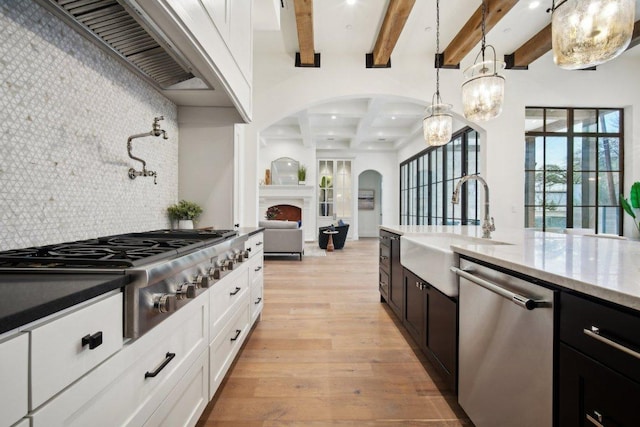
x,y
484,15
438,100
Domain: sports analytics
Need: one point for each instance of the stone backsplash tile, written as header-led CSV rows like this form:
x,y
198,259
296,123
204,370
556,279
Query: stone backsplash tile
x,y
66,111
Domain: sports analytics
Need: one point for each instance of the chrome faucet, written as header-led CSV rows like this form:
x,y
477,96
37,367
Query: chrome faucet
x,y
487,225
155,131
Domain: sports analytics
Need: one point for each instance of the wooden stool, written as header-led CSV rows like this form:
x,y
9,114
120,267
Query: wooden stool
x,y
330,246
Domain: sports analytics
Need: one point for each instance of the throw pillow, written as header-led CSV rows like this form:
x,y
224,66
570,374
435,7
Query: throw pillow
x,y
340,223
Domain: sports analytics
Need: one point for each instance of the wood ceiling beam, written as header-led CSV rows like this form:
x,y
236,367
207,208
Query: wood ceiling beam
x,y
471,33
540,44
306,57
394,19
531,50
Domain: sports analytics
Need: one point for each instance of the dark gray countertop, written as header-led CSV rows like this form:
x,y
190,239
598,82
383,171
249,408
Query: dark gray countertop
x,y
25,297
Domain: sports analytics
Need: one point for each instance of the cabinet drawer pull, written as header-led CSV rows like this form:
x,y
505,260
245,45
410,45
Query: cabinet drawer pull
x,y
258,268
258,243
168,358
93,341
383,257
594,333
238,331
597,421
235,292
258,301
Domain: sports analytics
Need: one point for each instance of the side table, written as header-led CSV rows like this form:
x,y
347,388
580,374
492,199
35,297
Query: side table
x,y
330,246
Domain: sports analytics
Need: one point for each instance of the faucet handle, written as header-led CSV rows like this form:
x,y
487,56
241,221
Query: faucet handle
x,y
493,225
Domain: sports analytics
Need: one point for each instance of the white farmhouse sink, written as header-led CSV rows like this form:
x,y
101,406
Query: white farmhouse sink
x,y
430,255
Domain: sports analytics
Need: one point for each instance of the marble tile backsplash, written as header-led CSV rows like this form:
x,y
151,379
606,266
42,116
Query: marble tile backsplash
x,y
66,111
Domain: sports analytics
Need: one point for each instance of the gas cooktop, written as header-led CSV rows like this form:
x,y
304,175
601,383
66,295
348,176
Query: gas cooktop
x,y
114,252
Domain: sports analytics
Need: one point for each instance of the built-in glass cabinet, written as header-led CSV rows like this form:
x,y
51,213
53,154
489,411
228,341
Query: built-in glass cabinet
x,y
334,191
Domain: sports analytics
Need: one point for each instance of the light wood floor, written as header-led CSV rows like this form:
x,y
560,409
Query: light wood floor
x,y
328,353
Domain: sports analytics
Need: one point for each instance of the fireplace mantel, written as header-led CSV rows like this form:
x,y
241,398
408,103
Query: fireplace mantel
x,y
295,195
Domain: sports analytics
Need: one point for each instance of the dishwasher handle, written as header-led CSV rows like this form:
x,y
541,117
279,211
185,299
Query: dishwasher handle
x,y
517,299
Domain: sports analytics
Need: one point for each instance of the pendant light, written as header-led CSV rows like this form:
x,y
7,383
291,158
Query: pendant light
x,y
483,89
585,33
438,124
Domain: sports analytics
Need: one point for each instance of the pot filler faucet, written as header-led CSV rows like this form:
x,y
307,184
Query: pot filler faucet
x,y
487,225
155,131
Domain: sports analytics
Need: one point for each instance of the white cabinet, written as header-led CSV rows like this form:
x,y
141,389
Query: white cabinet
x,y
68,347
129,387
187,400
14,378
227,296
335,199
256,281
216,37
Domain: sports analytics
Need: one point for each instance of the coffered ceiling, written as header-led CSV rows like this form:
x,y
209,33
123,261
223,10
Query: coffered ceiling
x,y
393,28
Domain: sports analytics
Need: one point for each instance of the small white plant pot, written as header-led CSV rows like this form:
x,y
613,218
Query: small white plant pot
x,y
185,224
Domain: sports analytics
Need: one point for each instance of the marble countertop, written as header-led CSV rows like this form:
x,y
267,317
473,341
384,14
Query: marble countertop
x,y
602,267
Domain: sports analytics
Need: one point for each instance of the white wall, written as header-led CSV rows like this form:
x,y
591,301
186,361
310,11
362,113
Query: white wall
x,y
369,220
207,162
66,111
280,90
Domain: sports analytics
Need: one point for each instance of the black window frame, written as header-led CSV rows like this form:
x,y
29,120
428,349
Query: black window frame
x,y
571,135
419,184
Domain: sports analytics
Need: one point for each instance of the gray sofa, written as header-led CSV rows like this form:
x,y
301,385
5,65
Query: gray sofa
x,y
282,237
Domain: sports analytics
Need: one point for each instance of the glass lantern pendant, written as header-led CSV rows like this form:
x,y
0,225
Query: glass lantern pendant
x,y
585,33
483,91
438,124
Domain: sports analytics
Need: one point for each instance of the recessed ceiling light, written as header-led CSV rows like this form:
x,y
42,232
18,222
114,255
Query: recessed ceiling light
x,y
333,117
393,117
427,29
348,27
534,4
351,1
506,30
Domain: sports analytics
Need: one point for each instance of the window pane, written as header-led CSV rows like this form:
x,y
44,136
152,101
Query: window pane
x,y
584,153
533,217
584,217
609,150
439,207
584,189
556,120
457,157
584,121
530,153
608,188
556,152
608,220
555,217
533,120
609,121
472,152
530,188
438,161
472,201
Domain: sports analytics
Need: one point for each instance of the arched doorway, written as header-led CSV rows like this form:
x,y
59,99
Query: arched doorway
x,y
369,203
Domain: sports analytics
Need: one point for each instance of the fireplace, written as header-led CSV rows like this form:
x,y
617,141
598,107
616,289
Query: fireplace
x,y
287,212
298,203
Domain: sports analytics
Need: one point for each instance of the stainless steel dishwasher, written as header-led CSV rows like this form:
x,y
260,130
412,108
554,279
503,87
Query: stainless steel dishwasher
x,y
505,349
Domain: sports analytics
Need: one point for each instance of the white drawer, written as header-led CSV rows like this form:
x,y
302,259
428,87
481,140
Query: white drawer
x,y
226,296
256,267
187,400
14,379
61,352
255,244
225,347
119,392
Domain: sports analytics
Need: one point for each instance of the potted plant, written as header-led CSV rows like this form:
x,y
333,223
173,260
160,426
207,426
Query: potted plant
x,y
631,205
272,212
302,174
185,213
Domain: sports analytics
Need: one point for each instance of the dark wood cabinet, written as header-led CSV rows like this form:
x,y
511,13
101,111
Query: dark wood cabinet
x,y
431,319
598,364
390,267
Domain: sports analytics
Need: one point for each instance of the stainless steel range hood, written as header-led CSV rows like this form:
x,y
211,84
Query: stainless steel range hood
x,y
122,31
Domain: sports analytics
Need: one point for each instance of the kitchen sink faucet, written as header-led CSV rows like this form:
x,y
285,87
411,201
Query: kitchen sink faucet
x,y
155,131
487,225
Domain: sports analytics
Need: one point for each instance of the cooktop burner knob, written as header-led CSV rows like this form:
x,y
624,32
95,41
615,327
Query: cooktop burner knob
x,y
228,264
215,273
203,281
164,303
186,290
